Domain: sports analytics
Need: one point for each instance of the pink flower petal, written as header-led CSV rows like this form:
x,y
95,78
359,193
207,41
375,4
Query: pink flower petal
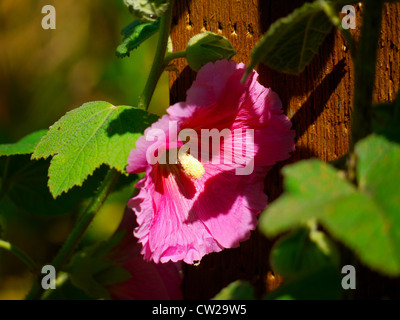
x,y
181,218
149,281
231,217
168,229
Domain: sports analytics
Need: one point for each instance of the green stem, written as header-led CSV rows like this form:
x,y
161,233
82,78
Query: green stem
x,y
330,10
364,74
21,255
83,223
364,70
158,64
173,55
86,218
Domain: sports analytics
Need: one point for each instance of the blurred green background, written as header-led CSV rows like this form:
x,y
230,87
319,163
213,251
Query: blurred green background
x,y
44,74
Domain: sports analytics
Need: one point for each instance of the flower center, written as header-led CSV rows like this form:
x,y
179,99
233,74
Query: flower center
x,y
191,166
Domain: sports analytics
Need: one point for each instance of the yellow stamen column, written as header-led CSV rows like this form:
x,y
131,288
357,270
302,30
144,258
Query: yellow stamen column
x,y
191,166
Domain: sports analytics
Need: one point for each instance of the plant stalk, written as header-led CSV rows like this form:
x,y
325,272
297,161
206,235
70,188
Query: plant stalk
x,y
21,255
83,223
173,55
330,10
364,70
158,63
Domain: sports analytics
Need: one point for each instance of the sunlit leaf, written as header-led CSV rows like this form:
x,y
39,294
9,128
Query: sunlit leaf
x,y
238,290
378,174
364,219
96,133
147,10
291,42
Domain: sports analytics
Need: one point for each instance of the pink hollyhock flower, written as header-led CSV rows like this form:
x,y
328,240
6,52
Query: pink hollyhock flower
x,y
188,209
149,281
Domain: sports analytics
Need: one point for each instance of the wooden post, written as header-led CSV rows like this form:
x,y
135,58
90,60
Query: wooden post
x,y
318,102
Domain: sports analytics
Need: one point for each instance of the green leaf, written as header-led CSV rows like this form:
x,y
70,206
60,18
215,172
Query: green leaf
x,y
238,290
378,174
96,133
112,275
134,34
147,10
319,284
291,42
82,270
91,271
302,251
24,182
362,220
67,292
386,119
24,146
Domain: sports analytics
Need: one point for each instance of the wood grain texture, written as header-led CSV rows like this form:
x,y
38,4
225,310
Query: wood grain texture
x,y
318,102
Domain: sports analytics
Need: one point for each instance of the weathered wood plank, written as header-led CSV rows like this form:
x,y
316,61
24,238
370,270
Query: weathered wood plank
x,y
318,101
